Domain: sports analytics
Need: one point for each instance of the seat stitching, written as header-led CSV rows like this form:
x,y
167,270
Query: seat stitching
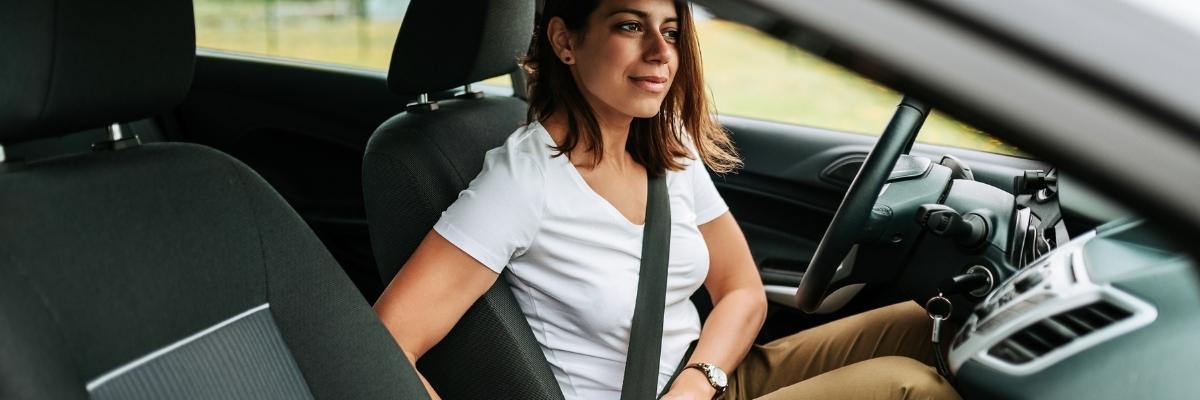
x,y
453,166
425,202
53,61
402,165
262,252
45,302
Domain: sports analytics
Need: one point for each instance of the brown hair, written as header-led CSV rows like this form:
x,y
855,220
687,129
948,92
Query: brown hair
x,y
654,142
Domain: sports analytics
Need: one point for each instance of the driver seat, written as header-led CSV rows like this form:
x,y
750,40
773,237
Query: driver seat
x,y
417,162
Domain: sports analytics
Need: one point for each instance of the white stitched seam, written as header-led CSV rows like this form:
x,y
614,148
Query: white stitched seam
x,y
102,379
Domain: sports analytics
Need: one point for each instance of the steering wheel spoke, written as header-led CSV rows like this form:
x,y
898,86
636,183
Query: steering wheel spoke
x,y
854,213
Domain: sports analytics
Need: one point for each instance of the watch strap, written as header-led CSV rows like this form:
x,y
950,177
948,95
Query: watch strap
x,y
707,369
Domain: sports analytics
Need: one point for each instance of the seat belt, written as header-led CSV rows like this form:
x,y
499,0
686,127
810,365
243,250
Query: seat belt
x,y
645,336
683,362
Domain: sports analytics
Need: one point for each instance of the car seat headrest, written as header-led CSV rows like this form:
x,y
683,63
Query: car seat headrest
x,y
71,65
446,44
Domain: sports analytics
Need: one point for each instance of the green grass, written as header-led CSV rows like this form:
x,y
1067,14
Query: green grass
x,y
316,35
748,73
751,74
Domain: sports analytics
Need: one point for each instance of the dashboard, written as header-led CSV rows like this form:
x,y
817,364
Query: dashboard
x,y
1108,314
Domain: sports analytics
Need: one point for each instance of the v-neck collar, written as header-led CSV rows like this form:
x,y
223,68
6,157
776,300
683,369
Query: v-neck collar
x,y
582,183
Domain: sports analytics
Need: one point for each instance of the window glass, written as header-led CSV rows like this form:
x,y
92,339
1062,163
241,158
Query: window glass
x,y
357,33
754,75
749,73
349,32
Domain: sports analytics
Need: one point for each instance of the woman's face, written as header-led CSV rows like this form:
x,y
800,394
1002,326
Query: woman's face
x,y
625,61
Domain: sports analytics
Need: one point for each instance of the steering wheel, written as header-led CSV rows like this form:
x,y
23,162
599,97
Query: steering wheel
x,y
843,232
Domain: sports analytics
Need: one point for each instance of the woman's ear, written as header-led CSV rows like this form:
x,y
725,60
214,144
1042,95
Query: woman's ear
x,y
560,40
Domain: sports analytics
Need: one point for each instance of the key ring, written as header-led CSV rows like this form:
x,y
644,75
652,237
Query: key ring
x,y
932,301
937,330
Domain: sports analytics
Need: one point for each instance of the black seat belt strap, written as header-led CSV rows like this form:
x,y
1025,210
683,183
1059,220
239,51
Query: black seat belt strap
x,y
645,337
683,362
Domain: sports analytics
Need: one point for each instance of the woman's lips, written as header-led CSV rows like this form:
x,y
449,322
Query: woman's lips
x,y
653,84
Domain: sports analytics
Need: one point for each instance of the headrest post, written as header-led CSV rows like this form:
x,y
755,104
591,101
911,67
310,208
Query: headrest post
x,y
468,93
7,165
114,132
423,104
117,140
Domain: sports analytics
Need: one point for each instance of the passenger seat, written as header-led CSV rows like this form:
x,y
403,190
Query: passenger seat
x,y
163,270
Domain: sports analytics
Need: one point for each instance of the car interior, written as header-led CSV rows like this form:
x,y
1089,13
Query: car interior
x,y
182,222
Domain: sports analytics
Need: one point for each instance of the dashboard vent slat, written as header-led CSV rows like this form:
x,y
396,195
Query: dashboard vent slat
x,y
1049,334
1012,352
1035,342
1077,324
1062,329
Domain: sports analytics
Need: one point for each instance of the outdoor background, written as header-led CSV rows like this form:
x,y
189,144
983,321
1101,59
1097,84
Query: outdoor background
x,y
748,73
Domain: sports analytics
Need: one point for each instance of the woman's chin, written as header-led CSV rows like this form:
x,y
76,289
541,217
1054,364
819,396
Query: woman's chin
x,y
647,110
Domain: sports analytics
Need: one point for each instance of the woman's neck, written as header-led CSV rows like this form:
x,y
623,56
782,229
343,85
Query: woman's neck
x,y
614,131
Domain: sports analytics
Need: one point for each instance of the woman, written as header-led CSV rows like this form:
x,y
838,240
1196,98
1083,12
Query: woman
x,y
617,94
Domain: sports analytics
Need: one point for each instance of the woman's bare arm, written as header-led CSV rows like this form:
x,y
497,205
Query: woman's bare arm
x,y
739,304
432,291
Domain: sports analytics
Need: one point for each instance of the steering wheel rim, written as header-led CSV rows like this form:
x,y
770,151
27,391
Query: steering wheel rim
x,y
855,208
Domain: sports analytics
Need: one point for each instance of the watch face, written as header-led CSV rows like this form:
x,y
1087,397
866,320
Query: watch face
x,y
718,377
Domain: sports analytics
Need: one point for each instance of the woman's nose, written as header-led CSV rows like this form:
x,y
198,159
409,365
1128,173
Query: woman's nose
x,y
658,50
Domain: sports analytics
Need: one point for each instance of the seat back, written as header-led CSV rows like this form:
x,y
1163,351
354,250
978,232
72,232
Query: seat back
x,y
417,162
164,270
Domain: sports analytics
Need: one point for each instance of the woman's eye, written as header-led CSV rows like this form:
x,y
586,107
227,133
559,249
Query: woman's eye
x,y
630,27
671,35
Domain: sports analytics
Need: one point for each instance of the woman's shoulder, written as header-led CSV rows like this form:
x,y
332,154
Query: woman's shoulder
x,y
527,145
692,160
520,160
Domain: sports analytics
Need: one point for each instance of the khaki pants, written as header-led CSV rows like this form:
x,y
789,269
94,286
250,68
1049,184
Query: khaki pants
x,y
880,354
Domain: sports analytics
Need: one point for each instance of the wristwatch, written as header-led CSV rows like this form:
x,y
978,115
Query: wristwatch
x,y
716,377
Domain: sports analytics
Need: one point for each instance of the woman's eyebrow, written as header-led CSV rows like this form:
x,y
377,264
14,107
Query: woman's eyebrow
x,y
639,13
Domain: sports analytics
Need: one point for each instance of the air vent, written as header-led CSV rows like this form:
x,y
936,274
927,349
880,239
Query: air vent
x,y
1057,331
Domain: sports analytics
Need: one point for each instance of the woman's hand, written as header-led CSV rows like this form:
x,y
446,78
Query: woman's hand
x,y
739,308
690,385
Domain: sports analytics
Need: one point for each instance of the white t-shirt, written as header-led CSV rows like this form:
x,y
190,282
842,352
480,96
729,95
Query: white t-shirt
x,y
574,258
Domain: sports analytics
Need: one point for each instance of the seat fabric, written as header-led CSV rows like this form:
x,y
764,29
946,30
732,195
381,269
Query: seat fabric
x,y
164,270
110,256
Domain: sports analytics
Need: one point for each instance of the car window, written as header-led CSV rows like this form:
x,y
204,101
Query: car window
x,y
749,73
355,33
754,75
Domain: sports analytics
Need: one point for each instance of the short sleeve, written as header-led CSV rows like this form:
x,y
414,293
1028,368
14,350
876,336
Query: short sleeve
x,y
496,218
707,202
